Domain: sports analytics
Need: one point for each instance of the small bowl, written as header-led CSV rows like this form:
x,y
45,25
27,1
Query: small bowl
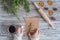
x,y
12,29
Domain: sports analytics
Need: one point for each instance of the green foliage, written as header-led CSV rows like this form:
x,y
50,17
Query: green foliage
x,y
12,6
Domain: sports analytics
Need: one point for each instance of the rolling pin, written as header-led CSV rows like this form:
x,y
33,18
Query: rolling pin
x,y
41,12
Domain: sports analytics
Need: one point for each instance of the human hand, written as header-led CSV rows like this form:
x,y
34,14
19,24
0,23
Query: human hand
x,y
36,34
19,30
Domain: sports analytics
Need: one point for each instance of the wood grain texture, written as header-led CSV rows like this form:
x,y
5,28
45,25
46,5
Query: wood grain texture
x,y
47,33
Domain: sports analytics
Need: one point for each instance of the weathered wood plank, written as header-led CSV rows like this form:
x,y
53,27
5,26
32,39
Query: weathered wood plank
x,y
22,15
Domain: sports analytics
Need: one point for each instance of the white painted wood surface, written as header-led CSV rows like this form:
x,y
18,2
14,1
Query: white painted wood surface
x,y
46,34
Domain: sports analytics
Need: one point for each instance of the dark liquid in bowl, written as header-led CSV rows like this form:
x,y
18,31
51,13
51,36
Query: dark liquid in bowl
x,y
12,29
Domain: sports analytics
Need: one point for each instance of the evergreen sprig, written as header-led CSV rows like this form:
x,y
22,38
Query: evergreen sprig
x,y
12,6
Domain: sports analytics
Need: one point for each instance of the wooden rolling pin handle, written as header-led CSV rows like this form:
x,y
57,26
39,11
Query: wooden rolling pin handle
x,y
51,25
37,7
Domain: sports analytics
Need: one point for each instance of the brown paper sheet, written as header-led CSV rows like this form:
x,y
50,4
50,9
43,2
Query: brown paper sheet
x,y
34,21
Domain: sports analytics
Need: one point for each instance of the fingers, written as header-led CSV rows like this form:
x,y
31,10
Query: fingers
x,y
29,35
39,31
19,30
36,34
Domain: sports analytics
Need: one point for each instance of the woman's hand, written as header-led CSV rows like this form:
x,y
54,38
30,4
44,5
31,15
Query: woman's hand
x,y
36,34
19,30
19,34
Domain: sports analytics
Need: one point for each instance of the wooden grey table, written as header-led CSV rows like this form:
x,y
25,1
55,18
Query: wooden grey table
x,y
46,34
